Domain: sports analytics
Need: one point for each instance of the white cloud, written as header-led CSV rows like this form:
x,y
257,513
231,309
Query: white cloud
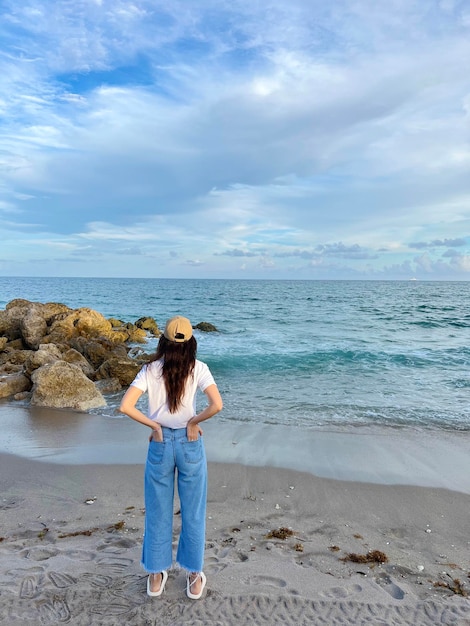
x,y
272,130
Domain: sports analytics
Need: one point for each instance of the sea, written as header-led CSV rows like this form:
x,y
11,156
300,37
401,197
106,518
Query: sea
x,y
316,355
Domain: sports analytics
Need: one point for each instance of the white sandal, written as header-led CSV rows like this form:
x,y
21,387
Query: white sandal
x,y
195,596
155,594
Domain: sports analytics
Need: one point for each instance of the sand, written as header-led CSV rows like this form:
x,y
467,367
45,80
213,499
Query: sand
x,y
71,538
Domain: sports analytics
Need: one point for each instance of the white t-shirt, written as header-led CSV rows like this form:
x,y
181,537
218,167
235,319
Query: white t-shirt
x,y
150,380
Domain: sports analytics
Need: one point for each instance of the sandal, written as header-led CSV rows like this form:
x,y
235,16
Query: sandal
x,y
155,594
195,596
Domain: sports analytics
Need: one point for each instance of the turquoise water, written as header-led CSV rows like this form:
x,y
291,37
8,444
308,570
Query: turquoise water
x,y
317,354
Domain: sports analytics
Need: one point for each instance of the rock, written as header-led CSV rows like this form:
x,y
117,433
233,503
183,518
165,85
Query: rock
x,y
13,383
73,356
52,349
16,344
148,324
10,368
10,318
124,369
3,343
20,303
127,331
82,322
97,351
13,356
108,385
23,395
90,323
137,335
38,359
64,385
52,311
115,323
33,326
206,327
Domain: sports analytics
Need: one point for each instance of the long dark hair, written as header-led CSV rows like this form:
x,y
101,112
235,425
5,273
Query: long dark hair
x,y
178,360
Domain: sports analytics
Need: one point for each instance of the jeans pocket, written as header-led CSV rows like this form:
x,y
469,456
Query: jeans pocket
x,y
193,451
155,452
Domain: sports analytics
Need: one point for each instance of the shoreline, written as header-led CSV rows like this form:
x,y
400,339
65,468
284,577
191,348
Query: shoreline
x,y
71,540
382,456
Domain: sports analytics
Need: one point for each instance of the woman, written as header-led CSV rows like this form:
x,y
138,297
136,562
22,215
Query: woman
x,y
171,380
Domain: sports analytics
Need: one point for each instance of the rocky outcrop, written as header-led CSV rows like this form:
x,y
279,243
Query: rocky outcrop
x,y
55,354
64,385
68,358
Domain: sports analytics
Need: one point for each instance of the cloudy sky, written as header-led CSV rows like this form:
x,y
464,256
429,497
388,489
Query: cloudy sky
x,y
242,138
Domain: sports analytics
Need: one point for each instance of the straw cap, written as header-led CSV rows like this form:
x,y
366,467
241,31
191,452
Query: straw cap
x,y
178,329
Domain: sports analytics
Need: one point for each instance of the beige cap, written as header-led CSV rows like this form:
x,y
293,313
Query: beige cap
x,y
178,329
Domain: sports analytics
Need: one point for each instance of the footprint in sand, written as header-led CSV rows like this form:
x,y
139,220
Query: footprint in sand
x,y
97,580
389,586
79,555
339,593
54,610
61,581
269,581
115,565
41,554
117,547
214,565
29,587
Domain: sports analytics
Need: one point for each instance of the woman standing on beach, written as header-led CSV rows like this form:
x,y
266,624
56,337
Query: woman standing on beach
x,y
171,380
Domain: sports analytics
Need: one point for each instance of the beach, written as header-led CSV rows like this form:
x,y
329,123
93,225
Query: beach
x,y
282,546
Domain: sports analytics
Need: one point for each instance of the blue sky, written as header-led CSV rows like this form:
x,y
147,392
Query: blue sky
x,y
275,139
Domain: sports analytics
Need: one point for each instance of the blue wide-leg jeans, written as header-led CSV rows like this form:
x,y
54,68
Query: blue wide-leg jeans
x,y
175,456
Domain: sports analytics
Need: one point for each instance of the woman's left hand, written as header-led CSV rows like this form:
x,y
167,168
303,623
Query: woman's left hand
x,y
193,431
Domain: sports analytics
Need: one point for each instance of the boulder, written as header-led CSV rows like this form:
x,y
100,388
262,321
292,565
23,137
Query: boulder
x,y
13,356
33,326
16,344
3,343
54,310
124,369
10,318
97,351
206,327
148,324
115,323
127,331
82,322
13,383
73,356
23,395
108,385
53,349
136,335
64,385
38,359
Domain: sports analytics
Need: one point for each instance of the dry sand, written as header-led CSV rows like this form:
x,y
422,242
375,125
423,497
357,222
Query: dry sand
x,y
64,560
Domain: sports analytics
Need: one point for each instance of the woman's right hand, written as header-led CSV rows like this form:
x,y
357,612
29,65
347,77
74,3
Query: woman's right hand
x,y
156,434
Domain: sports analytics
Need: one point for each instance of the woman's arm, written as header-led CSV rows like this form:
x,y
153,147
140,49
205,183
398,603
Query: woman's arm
x,y
128,407
215,405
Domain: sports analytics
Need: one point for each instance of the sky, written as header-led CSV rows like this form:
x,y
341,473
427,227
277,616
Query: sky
x,y
277,139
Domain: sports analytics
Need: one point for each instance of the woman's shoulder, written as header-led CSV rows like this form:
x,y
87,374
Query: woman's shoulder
x,y
153,367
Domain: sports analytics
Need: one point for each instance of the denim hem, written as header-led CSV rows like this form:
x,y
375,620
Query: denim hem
x,y
188,570
159,571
